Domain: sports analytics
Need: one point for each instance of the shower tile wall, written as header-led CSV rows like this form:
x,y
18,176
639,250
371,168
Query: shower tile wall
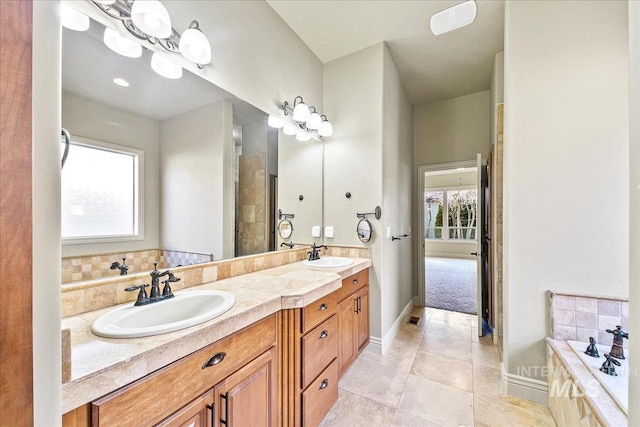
x,y
578,317
252,204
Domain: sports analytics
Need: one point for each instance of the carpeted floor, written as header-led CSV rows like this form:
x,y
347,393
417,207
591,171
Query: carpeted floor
x,y
451,284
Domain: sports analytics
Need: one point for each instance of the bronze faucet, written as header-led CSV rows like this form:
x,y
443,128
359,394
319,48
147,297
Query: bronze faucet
x,y
122,267
314,254
617,350
155,295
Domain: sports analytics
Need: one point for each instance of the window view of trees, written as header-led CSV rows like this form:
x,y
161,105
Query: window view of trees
x,y
461,208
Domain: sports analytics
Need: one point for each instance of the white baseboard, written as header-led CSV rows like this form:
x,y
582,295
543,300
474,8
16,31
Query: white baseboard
x,y
380,346
524,388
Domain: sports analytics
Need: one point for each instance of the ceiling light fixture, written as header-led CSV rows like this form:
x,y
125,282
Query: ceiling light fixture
x,y
303,121
454,17
120,44
149,20
72,19
121,82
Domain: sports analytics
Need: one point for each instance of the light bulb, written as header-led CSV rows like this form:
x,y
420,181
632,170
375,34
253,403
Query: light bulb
x,y
121,45
165,68
303,136
290,130
301,112
72,19
314,121
151,17
195,46
274,122
325,129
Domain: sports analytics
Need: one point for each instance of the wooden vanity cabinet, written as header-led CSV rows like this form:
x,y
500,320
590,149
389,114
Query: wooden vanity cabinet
x,y
180,392
353,319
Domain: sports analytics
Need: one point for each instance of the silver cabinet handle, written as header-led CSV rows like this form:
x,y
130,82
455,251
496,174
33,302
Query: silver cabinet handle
x,y
322,307
323,335
324,384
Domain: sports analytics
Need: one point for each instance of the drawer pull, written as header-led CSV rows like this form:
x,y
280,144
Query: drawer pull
x,y
355,281
210,407
226,408
215,360
323,335
324,384
322,307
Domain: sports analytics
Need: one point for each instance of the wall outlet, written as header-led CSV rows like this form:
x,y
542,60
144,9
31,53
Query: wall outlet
x,y
316,230
388,232
328,232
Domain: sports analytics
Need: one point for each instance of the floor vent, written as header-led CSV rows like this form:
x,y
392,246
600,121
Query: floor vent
x,y
413,320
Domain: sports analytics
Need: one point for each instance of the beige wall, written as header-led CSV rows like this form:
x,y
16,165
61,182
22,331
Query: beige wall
x,y
452,130
634,232
566,144
194,168
47,375
86,118
397,121
497,92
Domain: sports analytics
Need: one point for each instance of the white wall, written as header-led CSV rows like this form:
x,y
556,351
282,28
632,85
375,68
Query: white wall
x,y
634,187
353,97
87,118
452,130
566,146
47,375
194,147
397,142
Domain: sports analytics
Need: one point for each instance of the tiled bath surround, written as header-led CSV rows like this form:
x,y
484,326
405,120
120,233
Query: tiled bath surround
x,y
93,295
75,269
578,317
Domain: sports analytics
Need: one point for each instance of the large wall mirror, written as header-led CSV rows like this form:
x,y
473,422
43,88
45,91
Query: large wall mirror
x,y
173,164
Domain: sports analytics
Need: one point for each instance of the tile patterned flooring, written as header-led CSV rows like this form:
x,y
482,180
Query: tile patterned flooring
x,y
439,373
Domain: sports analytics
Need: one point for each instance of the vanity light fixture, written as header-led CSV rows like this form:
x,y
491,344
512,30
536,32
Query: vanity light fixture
x,y
454,17
303,121
120,44
72,19
164,67
149,20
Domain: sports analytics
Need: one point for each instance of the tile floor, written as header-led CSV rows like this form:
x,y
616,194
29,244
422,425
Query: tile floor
x,y
438,373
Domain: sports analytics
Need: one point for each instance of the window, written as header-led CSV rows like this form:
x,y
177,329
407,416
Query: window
x,y
101,193
460,206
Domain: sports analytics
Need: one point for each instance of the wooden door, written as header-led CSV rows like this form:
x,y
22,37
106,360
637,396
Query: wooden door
x,y
346,333
248,397
196,414
363,319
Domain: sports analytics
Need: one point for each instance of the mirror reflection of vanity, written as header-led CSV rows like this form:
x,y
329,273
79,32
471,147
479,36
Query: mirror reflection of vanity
x,y
212,174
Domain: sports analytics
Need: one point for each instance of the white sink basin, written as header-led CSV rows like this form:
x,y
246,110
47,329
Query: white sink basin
x,y
329,262
187,308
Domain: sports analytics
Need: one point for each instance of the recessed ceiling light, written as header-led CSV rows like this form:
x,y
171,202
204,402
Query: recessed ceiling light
x,y
453,18
121,82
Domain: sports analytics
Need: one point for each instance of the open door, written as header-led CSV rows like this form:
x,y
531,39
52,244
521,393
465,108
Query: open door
x,y
479,239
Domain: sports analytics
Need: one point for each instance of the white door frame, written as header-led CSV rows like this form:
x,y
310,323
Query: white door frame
x,y
421,171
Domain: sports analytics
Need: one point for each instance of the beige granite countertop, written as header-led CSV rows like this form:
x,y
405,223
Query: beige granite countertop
x,y
101,365
601,403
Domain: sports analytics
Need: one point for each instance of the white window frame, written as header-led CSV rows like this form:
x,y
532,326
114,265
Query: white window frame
x,y
445,208
138,191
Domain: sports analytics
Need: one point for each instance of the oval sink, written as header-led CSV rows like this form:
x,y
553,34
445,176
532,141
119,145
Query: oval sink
x,y
187,308
329,262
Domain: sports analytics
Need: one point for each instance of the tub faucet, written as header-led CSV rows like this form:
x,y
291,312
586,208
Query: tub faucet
x,y
122,267
290,244
155,283
314,254
617,350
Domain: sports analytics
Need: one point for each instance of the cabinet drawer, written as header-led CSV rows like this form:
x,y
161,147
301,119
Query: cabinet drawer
x,y
183,380
319,348
318,311
353,283
320,396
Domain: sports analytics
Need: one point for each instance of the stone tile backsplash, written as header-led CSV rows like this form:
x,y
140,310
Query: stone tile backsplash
x,y
90,295
578,317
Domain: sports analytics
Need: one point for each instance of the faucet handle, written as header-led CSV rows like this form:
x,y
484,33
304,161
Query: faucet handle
x,y
142,295
171,278
166,290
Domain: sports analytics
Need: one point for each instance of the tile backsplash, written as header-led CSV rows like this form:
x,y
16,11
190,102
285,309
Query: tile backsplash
x,y
89,295
578,317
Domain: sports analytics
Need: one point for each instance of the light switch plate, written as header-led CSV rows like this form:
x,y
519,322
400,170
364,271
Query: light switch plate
x,y
315,231
328,232
388,232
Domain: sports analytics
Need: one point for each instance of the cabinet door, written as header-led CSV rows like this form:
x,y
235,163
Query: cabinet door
x,y
196,414
363,319
248,397
346,333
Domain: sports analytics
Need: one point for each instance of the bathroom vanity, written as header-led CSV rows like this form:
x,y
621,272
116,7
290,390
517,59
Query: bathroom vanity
x,y
274,359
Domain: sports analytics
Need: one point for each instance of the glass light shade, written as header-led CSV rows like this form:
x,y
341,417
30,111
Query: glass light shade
x,y
195,46
301,112
151,17
72,19
274,122
314,121
453,18
106,1
325,129
122,45
290,130
303,136
165,68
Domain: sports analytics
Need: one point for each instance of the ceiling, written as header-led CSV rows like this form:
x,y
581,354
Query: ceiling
x,y
432,68
89,67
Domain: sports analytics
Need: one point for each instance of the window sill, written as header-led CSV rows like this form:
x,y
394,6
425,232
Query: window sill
x,y
106,239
